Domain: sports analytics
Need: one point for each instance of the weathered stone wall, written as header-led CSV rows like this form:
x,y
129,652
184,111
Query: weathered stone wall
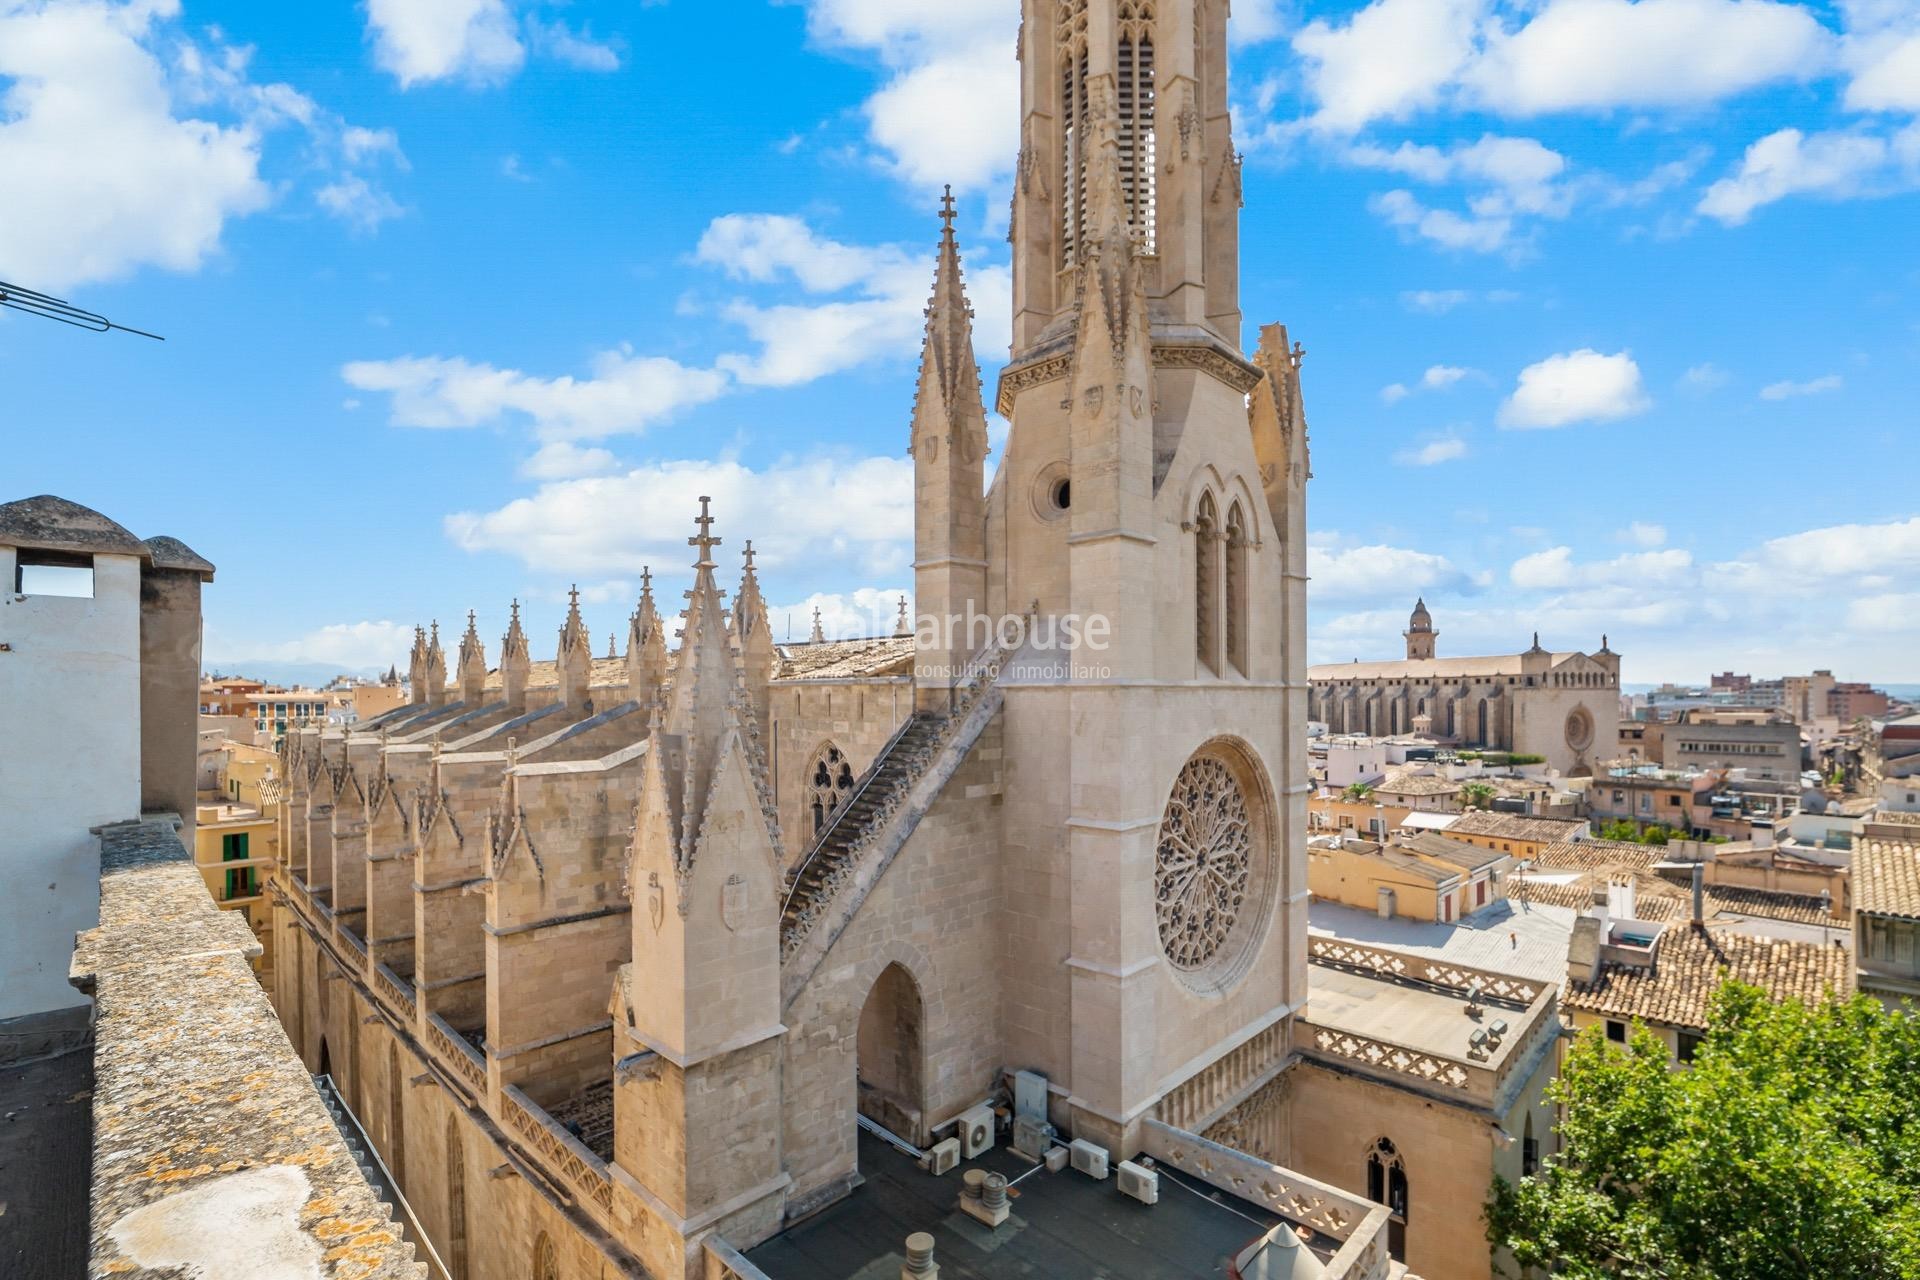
x,y
936,913
858,716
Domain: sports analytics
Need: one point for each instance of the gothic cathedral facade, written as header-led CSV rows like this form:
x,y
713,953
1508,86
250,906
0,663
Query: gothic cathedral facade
x,y
609,954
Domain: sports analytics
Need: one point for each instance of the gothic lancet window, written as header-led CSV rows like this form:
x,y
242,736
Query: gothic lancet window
x,y
1070,41
1236,589
829,783
1134,77
1206,583
1387,1185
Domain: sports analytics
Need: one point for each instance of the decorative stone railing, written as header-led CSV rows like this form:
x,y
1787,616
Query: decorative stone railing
x,y
457,1053
724,1262
562,1154
1198,1101
1428,1068
180,1016
398,993
1395,964
1358,1226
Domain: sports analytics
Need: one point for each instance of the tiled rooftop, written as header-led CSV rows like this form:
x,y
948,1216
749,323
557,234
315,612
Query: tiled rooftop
x,y
1598,855
1886,877
1690,964
1513,826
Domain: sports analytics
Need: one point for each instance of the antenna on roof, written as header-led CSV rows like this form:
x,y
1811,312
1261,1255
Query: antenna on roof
x,y
36,303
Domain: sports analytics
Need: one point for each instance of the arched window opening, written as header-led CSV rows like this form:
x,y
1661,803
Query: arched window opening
x,y
1134,77
829,782
1237,589
1387,1185
546,1259
1070,38
887,1055
456,1258
1481,738
1206,584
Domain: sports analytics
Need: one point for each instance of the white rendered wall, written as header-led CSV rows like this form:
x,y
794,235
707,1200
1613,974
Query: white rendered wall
x,y
69,760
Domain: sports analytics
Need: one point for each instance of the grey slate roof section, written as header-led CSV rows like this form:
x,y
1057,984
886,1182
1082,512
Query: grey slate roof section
x,y
47,523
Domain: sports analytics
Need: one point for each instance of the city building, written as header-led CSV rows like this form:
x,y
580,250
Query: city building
x,y
1421,875
1562,707
1767,747
1886,940
1512,834
621,962
99,681
229,696
237,838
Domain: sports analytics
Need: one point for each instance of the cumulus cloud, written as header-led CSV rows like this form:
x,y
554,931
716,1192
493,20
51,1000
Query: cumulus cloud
x,y
844,615
624,393
127,143
1396,58
1642,534
1348,572
1446,448
1437,378
614,524
1787,390
1835,165
1556,568
418,41
564,460
351,646
935,53
1579,386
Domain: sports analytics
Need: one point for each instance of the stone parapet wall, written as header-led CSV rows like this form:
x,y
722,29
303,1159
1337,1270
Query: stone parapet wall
x,y
202,1110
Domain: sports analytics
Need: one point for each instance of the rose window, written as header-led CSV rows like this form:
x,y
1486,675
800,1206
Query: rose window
x,y
1202,864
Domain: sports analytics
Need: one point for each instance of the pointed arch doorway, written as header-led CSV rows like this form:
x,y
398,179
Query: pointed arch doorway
x,y
889,1055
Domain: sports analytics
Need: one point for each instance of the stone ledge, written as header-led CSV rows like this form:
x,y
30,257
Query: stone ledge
x,y
202,1112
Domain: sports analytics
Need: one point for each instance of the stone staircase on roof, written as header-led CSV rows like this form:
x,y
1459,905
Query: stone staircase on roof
x,y
876,796
413,1239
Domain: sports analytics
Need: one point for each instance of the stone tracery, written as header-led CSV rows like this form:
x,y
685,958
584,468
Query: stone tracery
x,y
1203,863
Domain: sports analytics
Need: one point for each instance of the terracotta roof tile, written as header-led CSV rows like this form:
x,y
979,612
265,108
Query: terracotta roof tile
x,y
1886,877
1689,966
1513,826
1598,855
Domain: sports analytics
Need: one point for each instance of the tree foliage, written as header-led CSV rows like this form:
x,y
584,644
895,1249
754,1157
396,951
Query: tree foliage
x,y
1477,795
1789,1149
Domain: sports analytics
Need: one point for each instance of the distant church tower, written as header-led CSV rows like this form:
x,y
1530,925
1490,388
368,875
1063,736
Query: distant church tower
x,y
1420,633
1152,491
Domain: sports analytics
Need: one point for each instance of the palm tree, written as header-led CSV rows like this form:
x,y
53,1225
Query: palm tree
x,y
1476,795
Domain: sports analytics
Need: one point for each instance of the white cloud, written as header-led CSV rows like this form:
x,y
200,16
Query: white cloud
x,y
844,615
1450,230
615,524
1438,302
1704,377
1598,55
1833,165
1642,534
1893,612
1434,452
1350,572
1437,378
936,53
563,44
419,41
564,460
626,393
1819,555
1579,386
1556,569
126,142
1255,20
800,342
1787,390
1391,59
1396,58
351,646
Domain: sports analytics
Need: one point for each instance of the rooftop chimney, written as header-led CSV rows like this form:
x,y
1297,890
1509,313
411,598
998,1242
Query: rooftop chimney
x,y
1699,895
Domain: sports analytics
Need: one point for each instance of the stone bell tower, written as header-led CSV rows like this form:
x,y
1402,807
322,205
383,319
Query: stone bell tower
x,y
1149,511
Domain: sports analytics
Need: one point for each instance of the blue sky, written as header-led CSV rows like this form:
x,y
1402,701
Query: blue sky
x,y
1612,309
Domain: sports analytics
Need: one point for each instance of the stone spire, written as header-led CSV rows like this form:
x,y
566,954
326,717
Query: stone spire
x,y
818,636
752,635
473,664
611,651
417,665
706,678
646,647
1420,635
436,668
901,626
949,448
575,658
515,663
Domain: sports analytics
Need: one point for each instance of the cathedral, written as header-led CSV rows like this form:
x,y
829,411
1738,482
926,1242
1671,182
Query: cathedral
x,y
616,959
1563,707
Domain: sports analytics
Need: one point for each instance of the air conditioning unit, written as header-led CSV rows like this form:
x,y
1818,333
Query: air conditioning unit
x,y
1139,1183
1031,1137
1089,1158
943,1156
976,1132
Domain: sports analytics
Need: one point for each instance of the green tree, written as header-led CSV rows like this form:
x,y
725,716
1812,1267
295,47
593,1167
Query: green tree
x,y
1357,791
1476,795
1789,1149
